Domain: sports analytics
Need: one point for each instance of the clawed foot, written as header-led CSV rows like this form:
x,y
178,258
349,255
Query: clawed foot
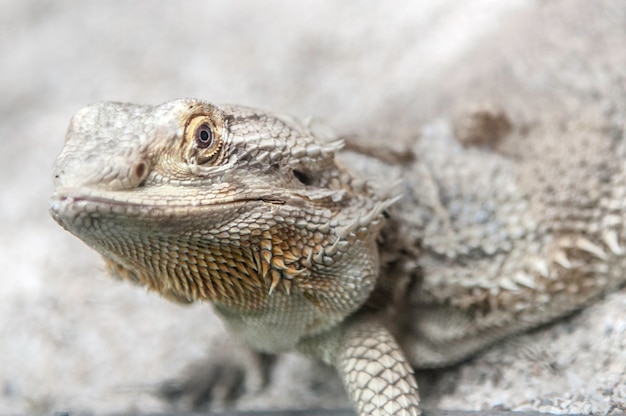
x,y
228,374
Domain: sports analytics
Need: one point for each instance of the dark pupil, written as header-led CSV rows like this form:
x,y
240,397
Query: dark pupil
x,y
204,136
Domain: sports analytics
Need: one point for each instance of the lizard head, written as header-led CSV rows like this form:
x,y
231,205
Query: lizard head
x,y
227,204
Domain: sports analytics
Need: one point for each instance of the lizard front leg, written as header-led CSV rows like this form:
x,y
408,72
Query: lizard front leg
x,y
375,372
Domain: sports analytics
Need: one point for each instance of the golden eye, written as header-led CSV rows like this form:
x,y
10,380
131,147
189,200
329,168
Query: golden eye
x,y
203,138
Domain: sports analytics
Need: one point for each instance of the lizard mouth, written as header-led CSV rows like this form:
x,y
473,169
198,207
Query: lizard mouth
x,y
70,203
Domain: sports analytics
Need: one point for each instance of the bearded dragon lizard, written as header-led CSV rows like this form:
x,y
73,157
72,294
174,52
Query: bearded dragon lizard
x,y
372,260
299,245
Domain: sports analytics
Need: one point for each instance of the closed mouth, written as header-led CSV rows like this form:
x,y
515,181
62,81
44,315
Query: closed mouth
x,y
63,200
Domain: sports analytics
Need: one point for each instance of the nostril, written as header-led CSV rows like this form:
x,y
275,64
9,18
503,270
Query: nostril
x,y
56,179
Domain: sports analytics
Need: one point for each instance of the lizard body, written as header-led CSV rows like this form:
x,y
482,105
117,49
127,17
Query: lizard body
x,y
361,256
257,214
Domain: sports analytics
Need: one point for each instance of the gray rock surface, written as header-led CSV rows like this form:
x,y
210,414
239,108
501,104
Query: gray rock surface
x,y
72,339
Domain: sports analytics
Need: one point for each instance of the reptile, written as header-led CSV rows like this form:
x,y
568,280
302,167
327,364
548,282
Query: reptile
x,y
371,258
258,214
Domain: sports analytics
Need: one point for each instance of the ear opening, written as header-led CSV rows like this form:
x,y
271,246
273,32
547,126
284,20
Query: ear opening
x,y
303,177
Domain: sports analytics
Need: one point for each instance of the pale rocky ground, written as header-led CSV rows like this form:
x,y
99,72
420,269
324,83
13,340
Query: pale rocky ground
x,y
71,339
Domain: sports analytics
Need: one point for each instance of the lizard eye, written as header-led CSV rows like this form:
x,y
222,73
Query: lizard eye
x,y
202,138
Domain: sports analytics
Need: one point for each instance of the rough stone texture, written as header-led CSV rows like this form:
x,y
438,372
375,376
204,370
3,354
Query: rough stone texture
x,y
71,339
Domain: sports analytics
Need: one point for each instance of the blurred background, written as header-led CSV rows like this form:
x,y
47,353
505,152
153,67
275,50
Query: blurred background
x,y
70,338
